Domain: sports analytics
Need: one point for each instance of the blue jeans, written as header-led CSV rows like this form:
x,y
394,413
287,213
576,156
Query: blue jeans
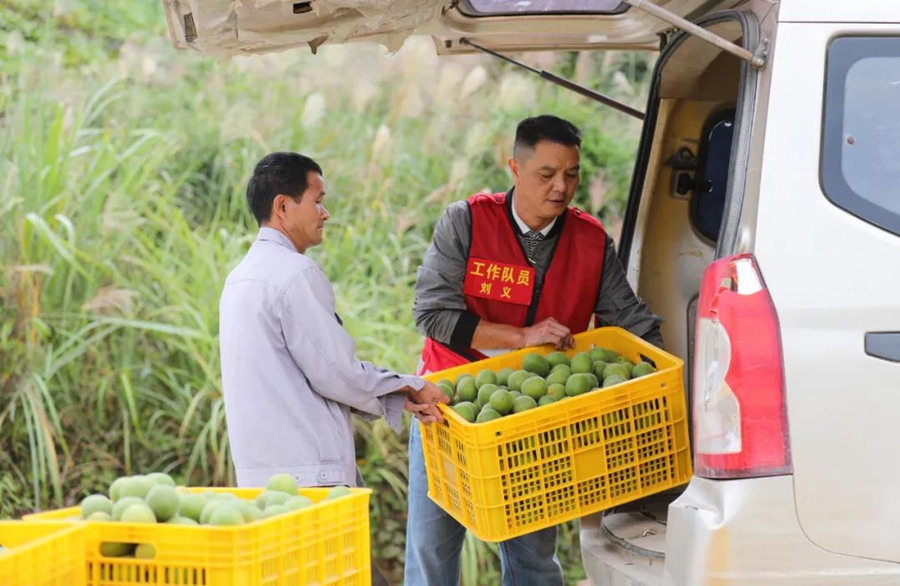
x,y
434,540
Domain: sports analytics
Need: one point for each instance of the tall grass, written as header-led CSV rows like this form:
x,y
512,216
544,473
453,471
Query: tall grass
x,y
122,171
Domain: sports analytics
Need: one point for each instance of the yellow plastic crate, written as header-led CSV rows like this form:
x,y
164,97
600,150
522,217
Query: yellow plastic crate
x,y
325,544
532,470
49,554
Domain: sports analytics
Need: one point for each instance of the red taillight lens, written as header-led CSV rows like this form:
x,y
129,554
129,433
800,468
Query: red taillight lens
x,y
740,423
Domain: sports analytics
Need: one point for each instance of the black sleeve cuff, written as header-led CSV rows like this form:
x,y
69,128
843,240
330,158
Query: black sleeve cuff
x,y
464,330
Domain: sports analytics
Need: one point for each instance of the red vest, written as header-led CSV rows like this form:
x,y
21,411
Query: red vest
x,y
500,286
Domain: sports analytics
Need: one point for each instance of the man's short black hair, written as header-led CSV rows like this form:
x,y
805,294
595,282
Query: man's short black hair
x,y
550,128
278,173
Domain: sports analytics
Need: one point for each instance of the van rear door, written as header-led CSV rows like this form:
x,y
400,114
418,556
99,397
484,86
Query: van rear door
x,y
225,27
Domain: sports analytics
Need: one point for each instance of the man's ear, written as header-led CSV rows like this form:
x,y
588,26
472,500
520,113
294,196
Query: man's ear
x,y
514,167
279,205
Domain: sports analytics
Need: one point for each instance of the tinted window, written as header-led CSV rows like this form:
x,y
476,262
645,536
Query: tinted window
x,y
861,138
497,7
708,199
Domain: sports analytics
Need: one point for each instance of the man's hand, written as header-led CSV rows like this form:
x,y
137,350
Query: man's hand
x,y
423,403
548,331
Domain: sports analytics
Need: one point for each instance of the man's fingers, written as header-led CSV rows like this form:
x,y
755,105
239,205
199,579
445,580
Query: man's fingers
x,y
433,414
427,413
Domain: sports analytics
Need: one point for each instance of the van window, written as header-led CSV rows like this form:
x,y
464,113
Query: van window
x,y
708,199
497,7
861,136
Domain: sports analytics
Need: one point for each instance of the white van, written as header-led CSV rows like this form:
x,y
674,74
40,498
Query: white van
x,y
763,225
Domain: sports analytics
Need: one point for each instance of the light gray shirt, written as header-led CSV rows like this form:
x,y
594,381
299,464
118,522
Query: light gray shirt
x,y
440,308
290,378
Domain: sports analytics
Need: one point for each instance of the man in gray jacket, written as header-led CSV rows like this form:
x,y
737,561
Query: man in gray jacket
x,y
290,378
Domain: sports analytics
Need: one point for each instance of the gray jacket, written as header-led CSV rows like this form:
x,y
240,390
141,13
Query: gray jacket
x,y
289,375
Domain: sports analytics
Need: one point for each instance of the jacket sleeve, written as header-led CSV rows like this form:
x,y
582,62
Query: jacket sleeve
x,y
618,305
440,308
325,352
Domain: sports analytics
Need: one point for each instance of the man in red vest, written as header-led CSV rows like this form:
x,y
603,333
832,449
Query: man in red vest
x,y
503,272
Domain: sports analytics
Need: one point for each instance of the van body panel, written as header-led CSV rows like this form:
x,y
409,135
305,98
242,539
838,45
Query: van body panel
x,y
833,278
885,11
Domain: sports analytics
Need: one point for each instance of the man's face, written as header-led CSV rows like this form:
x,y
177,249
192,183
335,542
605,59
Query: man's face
x,y
546,178
304,219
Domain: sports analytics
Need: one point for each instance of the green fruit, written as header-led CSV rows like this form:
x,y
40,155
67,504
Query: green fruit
x,y
486,377
523,403
145,551
503,376
502,402
485,392
191,506
138,513
582,362
515,394
111,549
136,486
557,391
467,390
161,478
594,381
164,501
122,504
613,380
272,497
536,364
461,378
602,354
226,516
100,516
642,369
517,378
179,520
209,509
446,389
557,358
225,497
535,387
599,367
467,411
546,400
577,384
487,415
559,375
94,504
628,366
115,489
274,511
618,369
282,483
448,382
338,492
295,503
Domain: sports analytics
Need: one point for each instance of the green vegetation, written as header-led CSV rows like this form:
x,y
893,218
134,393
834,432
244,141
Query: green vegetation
x,y
123,166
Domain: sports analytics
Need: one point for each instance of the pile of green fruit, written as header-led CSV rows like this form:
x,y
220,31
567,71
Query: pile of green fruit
x,y
154,498
542,380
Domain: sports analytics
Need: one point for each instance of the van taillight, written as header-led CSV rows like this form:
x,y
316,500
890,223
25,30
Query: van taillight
x,y
740,422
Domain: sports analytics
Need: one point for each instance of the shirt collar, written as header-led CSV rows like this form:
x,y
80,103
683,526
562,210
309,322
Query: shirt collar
x,y
523,227
276,236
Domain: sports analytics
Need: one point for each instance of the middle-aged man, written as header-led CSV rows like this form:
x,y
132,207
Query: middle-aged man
x,y
290,378
503,272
